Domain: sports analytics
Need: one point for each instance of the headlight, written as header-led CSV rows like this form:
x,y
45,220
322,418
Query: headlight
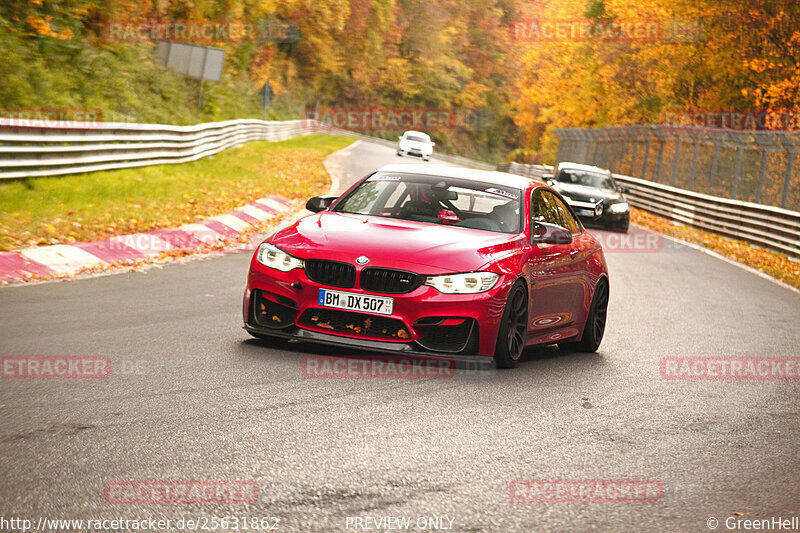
x,y
621,207
468,283
273,257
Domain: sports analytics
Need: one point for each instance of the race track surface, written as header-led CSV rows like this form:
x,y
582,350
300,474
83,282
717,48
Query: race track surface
x,y
193,397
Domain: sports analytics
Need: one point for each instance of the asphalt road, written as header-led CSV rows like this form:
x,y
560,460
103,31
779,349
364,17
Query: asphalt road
x,y
192,397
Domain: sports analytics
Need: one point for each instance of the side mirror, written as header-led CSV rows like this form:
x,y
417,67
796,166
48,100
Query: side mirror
x,y
400,138
433,143
622,189
544,233
320,203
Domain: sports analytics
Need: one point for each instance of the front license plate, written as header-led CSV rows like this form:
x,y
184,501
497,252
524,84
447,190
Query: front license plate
x,y
356,302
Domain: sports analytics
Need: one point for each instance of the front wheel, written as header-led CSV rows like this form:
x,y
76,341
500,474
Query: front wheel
x,y
399,153
595,323
513,328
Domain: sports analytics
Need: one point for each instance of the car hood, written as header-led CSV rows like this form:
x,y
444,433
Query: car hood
x,y
392,243
583,193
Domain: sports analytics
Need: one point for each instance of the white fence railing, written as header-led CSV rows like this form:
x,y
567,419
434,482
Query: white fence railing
x,y
767,226
35,148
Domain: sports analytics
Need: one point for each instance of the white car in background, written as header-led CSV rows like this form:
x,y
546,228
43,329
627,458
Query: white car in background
x,y
415,143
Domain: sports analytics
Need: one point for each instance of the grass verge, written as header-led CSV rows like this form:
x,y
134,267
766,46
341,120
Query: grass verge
x,y
92,206
775,264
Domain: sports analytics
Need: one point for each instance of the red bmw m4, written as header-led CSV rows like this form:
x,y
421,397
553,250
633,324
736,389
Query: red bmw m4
x,y
433,260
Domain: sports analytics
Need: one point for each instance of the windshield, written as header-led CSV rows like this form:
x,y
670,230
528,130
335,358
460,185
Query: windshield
x,y
417,138
436,200
583,177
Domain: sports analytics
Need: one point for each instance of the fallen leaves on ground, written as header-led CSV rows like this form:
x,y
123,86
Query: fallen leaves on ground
x,y
772,263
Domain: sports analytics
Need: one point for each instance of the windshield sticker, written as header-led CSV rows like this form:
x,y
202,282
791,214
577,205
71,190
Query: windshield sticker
x,y
384,178
501,192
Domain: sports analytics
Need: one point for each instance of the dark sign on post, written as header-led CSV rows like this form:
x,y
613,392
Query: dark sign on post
x,y
267,94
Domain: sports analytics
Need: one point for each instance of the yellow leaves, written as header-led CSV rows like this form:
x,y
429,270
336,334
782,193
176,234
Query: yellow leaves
x,y
758,65
396,77
471,95
42,27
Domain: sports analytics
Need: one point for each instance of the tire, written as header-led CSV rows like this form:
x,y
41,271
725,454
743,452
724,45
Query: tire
x,y
513,328
426,158
595,323
399,153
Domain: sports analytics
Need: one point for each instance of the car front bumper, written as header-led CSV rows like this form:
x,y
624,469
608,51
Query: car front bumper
x,y
418,152
423,322
607,220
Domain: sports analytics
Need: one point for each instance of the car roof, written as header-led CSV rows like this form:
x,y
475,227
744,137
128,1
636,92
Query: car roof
x,y
491,177
417,132
580,166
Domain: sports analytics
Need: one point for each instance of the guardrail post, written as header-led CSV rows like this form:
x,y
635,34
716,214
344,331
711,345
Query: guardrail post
x,y
762,169
791,149
618,150
585,138
660,158
696,149
738,171
593,135
646,156
676,159
787,177
714,163
634,150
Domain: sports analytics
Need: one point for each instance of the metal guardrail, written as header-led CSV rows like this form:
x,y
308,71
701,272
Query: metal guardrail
x,y
529,171
766,226
752,166
35,148
29,149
